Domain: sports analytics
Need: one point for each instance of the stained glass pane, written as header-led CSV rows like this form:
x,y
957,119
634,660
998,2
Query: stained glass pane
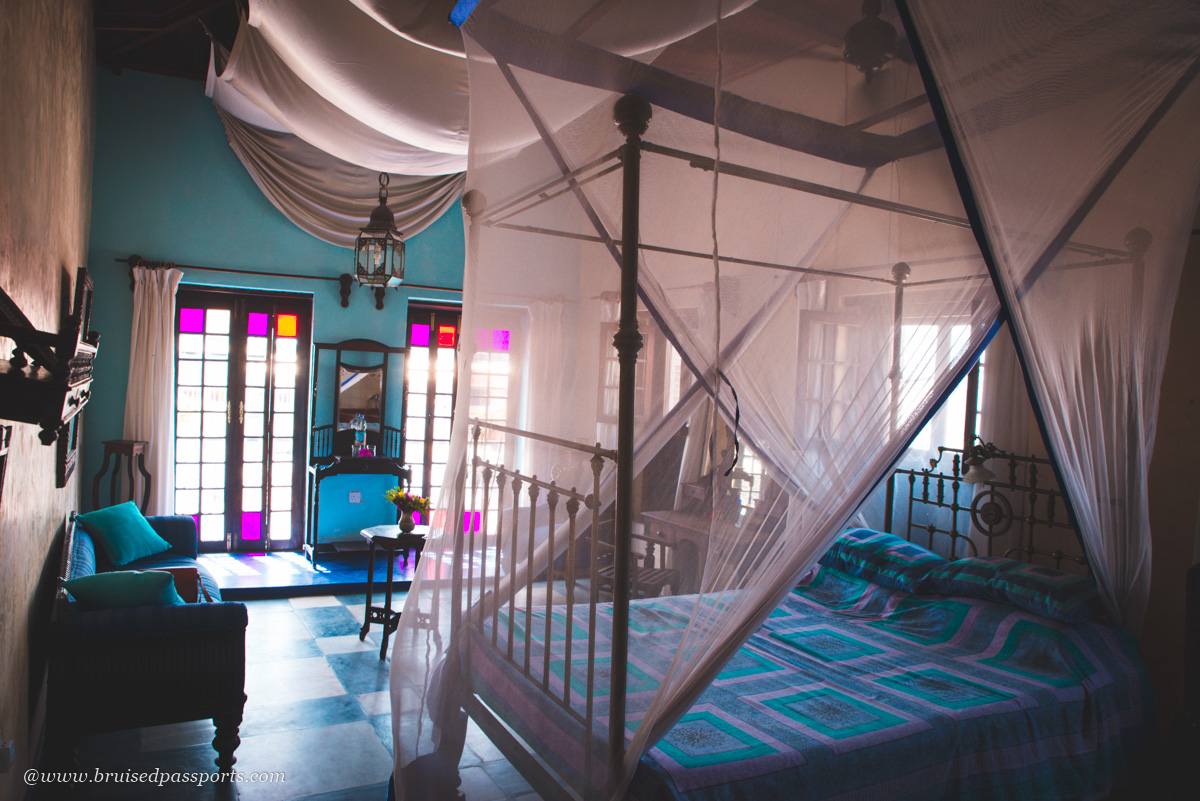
x,y
191,321
282,424
285,350
215,398
216,374
419,338
254,424
212,528
214,424
214,450
187,424
256,349
187,476
191,346
187,502
256,324
500,339
217,321
252,522
256,374
212,501
252,475
446,336
252,449
281,525
187,450
216,346
212,476
285,400
281,450
252,499
190,373
285,325
255,400
187,399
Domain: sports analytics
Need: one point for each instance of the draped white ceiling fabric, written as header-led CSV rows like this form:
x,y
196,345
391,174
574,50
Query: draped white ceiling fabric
x,y
327,92
808,235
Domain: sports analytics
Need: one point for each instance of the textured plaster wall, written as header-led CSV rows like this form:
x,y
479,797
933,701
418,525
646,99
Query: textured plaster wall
x,y
46,121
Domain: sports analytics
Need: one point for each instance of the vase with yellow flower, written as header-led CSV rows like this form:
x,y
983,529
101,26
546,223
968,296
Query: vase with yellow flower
x,y
407,504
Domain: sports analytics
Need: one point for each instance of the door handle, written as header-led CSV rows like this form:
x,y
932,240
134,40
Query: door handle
x,y
241,412
228,412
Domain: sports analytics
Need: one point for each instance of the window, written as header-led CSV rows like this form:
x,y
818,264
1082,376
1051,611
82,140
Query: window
x,y
239,420
430,380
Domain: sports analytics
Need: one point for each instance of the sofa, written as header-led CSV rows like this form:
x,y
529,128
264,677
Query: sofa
x,y
135,666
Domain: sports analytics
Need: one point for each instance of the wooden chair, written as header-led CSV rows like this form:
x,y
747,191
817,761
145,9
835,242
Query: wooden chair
x,y
646,578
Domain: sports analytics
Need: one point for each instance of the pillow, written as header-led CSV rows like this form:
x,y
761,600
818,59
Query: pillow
x,y
885,559
121,588
123,533
1042,590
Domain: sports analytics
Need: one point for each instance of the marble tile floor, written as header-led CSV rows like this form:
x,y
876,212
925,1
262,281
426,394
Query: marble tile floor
x,y
318,710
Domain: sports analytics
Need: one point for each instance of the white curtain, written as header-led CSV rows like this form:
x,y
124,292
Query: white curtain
x,y
150,394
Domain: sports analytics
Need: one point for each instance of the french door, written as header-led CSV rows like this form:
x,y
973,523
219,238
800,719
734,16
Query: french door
x,y
241,414
430,378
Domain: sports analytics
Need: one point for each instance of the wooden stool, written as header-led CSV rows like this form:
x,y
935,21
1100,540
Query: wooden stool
x,y
134,451
392,540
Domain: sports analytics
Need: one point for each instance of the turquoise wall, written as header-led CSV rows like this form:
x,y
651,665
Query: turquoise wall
x,y
167,186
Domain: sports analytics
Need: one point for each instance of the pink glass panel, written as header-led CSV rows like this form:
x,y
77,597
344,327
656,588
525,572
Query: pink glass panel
x,y
500,340
252,525
191,321
256,324
197,519
471,521
419,337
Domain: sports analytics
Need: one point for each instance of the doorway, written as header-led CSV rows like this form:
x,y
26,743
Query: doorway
x,y
241,416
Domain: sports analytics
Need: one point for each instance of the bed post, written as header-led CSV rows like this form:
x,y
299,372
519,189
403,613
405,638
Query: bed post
x,y
632,116
900,273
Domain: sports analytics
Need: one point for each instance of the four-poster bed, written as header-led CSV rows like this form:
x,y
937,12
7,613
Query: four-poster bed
x,y
839,281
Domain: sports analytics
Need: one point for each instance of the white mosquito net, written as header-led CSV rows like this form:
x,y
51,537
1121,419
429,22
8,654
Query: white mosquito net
x,y
810,285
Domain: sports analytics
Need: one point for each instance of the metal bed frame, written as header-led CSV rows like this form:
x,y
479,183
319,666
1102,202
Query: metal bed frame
x,y
490,481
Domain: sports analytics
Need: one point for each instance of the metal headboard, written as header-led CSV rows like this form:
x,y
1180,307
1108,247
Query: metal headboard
x,y
1018,513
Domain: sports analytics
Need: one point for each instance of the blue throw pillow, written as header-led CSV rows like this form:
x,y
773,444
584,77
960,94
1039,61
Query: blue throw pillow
x,y
1042,590
121,588
123,533
885,559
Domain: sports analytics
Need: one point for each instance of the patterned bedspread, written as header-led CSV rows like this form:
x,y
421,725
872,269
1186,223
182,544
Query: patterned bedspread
x,y
851,690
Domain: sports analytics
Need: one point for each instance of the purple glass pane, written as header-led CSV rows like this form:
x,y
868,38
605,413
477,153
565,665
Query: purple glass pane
x,y
470,522
256,324
500,340
419,337
191,321
252,524
197,519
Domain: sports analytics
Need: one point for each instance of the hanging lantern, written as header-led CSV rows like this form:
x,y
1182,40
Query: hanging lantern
x,y
379,249
870,42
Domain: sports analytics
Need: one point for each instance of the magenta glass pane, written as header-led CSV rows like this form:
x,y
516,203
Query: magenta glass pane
x,y
419,337
500,340
471,521
197,519
256,324
252,524
191,321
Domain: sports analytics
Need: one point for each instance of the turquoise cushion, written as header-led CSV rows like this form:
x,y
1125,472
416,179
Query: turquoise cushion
x,y
123,533
885,559
1042,590
121,588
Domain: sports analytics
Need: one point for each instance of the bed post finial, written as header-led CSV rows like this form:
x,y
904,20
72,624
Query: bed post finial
x,y
632,114
473,203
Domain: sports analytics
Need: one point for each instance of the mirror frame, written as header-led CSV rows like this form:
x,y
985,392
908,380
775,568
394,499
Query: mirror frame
x,y
339,352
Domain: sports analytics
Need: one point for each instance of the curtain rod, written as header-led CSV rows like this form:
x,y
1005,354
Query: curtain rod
x,y
138,261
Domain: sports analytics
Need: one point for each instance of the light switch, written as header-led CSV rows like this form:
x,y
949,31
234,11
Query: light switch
x,y
355,497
